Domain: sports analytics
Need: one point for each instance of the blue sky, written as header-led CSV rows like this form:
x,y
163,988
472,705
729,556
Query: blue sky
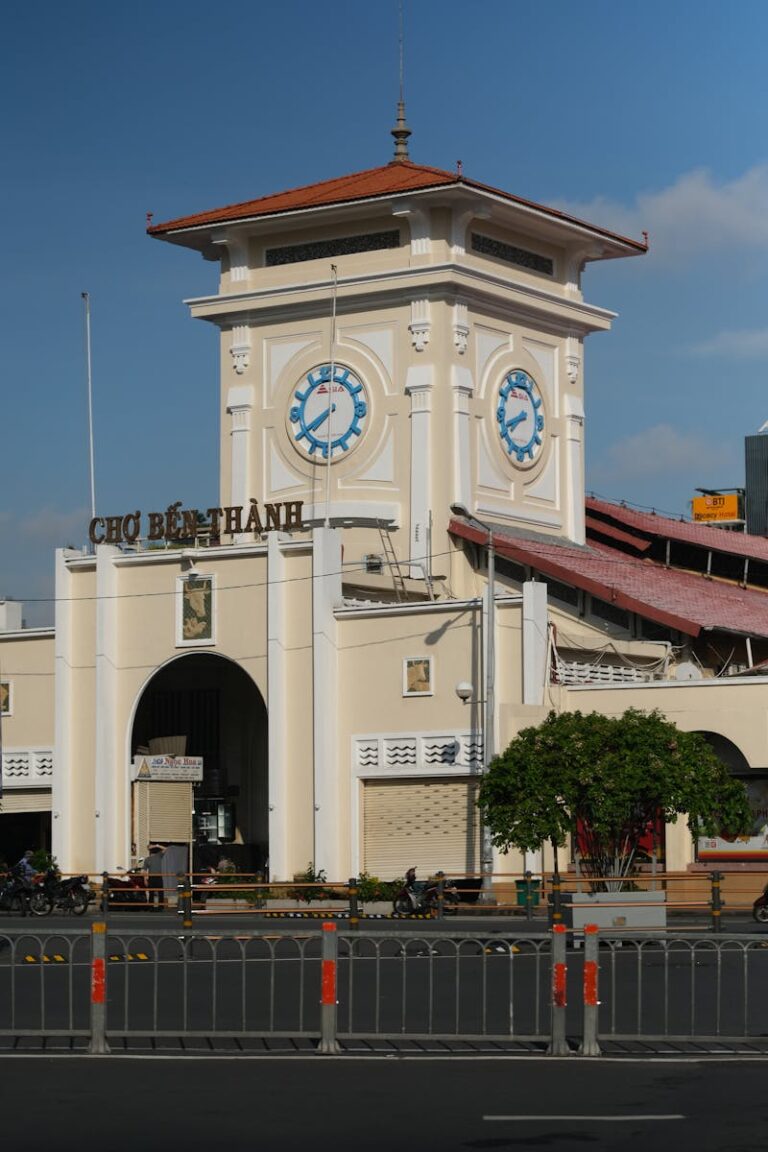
x,y
636,115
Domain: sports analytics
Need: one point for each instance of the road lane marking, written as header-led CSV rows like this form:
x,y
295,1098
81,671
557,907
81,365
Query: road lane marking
x,y
590,1119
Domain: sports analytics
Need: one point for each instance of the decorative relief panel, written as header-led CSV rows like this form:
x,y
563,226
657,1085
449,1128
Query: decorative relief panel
x,y
545,356
421,754
28,768
488,342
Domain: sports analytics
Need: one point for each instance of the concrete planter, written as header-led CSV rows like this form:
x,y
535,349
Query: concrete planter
x,y
646,911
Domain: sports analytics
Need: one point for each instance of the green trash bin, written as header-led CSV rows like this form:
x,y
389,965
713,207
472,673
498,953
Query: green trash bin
x,y
522,892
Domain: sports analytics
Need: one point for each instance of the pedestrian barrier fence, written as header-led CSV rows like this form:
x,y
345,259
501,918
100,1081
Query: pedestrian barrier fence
x,y
553,991
704,894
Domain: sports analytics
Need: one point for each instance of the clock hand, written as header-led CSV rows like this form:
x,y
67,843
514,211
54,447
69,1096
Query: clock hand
x,y
319,419
513,423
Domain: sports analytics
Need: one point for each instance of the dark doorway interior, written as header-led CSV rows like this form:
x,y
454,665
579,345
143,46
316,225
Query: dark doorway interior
x,y
216,707
22,830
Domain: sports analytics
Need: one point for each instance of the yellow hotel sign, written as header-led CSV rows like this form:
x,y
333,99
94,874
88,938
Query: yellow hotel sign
x,y
714,508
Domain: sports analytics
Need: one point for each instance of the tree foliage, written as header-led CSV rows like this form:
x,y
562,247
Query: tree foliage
x,y
612,777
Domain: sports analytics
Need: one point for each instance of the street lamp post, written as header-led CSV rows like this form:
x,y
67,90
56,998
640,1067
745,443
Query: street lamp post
x,y
489,750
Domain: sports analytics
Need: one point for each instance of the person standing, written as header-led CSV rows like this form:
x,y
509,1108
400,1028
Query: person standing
x,y
153,869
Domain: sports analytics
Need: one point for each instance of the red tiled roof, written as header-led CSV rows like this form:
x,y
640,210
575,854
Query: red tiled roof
x,y
680,600
664,527
389,180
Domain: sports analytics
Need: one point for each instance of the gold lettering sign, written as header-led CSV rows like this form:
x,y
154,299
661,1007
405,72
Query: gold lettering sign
x,y
185,525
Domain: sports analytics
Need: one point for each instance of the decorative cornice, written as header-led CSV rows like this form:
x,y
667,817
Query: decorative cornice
x,y
476,284
420,326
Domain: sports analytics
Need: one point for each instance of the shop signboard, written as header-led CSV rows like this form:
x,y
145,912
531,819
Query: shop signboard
x,y
715,509
183,769
753,845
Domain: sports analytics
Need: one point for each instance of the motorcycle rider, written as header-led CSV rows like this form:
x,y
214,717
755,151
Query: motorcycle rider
x,y
24,865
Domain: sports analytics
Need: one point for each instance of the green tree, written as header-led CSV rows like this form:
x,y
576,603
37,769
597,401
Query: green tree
x,y
612,777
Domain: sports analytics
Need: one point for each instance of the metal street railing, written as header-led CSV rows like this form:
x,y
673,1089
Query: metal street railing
x,y
332,985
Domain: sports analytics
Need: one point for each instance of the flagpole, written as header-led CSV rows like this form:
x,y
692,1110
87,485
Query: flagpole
x,y
329,446
87,301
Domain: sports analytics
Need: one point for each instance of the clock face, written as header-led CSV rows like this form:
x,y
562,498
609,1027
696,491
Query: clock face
x,y
327,414
520,417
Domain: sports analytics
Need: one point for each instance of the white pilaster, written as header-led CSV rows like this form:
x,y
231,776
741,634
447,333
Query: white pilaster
x,y
421,324
240,406
240,348
418,386
463,390
110,769
277,692
534,641
62,836
460,328
573,411
326,595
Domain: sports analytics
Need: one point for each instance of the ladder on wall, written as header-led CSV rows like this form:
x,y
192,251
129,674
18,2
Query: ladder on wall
x,y
392,562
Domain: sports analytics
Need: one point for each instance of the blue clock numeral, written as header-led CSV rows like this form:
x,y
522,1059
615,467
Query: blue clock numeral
x,y
311,430
522,386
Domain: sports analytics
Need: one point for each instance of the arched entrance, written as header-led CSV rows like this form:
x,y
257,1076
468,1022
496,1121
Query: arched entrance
x,y
726,751
205,705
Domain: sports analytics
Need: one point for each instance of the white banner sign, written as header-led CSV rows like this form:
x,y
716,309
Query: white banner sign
x,y
181,768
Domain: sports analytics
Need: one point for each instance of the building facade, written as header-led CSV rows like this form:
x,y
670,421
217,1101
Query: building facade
x,y
301,671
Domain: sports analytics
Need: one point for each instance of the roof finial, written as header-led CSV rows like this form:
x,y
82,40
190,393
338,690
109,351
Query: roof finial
x,y
401,131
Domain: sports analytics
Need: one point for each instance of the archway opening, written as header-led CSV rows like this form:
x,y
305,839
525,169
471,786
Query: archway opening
x,y
203,705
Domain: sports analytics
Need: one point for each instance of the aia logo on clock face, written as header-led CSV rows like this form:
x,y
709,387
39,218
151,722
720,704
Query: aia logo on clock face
x,y
328,417
520,417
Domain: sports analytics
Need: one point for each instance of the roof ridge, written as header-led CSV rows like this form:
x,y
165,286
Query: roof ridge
x,y
316,184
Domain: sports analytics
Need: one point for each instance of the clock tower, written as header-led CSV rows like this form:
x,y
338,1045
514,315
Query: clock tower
x,y
398,340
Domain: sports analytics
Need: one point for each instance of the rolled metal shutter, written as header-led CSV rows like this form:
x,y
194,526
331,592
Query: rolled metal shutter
x,y
35,800
430,824
163,813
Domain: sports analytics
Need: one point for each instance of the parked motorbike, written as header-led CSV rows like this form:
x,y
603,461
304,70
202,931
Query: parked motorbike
x,y
760,907
126,889
15,892
68,894
423,896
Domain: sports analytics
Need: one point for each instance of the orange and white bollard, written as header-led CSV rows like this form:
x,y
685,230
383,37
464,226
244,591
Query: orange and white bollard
x,y
558,1045
98,1045
329,955
589,1043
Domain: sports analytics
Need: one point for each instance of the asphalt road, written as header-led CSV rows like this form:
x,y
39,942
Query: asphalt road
x,y
320,1103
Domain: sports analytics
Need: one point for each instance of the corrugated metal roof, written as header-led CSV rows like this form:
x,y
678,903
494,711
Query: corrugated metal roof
x,y
665,528
681,600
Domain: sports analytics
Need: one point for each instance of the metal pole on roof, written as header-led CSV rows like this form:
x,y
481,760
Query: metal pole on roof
x,y
87,302
329,443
